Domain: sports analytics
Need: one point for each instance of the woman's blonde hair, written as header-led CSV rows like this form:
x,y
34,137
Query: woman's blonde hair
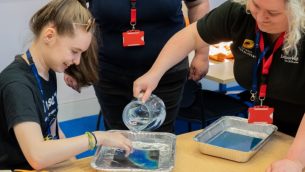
x,y
296,20
66,15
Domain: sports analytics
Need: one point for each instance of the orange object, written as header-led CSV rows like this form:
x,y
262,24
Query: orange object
x,y
227,47
221,51
230,56
186,20
218,57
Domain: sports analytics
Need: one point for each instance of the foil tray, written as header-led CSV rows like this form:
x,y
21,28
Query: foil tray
x,y
105,158
233,138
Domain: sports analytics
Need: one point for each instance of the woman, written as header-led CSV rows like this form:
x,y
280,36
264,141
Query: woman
x,y
268,40
30,136
122,59
121,64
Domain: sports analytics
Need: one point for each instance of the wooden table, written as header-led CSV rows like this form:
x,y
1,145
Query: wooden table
x,y
189,158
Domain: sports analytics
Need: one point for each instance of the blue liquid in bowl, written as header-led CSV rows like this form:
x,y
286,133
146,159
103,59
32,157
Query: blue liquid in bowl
x,y
234,141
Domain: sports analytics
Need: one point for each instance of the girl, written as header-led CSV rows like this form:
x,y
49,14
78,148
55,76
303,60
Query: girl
x,y
29,135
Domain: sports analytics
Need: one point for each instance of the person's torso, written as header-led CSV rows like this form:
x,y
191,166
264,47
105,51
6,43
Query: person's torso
x,y
159,19
285,79
19,72
229,22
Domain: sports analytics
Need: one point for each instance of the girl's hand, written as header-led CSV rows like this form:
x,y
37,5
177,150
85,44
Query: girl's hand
x,y
114,139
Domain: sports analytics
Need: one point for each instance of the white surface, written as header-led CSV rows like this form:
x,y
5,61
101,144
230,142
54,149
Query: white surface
x,y
215,3
15,35
221,72
212,84
14,31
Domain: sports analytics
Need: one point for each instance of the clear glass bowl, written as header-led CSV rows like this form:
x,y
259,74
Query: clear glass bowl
x,y
148,116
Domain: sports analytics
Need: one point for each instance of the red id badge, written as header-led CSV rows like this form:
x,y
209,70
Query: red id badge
x,y
133,38
260,114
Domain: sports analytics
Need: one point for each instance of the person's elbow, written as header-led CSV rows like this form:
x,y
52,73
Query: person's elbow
x,y
36,160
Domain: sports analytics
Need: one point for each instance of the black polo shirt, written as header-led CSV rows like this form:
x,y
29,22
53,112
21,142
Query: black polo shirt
x,y
158,19
286,80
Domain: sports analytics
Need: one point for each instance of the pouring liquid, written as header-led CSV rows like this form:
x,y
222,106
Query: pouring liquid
x,y
138,119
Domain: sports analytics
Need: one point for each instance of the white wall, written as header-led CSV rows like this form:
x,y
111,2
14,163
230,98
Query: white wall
x,y
14,34
215,3
14,37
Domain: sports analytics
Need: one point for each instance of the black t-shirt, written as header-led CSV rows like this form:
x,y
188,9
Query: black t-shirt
x,y
21,101
286,80
158,19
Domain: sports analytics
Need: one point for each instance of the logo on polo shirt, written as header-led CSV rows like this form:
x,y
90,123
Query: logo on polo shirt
x,y
248,44
290,59
247,48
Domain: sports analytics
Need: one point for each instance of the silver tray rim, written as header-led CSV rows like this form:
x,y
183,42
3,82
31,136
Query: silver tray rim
x,y
214,124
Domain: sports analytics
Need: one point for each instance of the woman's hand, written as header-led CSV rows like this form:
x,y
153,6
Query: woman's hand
x,y
113,139
71,82
200,64
198,68
285,165
143,86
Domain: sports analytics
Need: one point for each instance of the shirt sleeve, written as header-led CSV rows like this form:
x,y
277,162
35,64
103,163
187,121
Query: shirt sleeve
x,y
220,23
19,105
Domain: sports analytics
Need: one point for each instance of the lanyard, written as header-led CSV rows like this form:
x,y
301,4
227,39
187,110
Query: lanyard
x,y
266,63
45,108
133,14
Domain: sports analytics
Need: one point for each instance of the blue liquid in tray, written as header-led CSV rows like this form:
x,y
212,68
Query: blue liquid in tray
x,y
146,159
234,141
143,159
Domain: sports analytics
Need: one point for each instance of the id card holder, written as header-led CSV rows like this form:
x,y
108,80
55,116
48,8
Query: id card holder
x,y
133,38
260,114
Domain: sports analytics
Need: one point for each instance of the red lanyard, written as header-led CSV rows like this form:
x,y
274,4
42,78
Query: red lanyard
x,y
267,63
133,14
133,37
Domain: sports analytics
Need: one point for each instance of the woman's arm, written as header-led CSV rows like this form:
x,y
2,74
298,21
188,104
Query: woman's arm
x,y
295,159
200,63
40,153
297,149
175,50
